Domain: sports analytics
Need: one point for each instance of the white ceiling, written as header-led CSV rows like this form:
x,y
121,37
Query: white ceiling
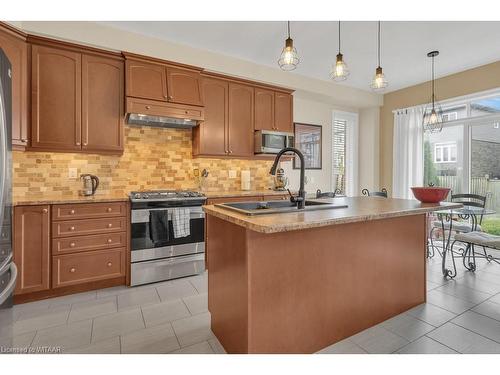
x,y
463,45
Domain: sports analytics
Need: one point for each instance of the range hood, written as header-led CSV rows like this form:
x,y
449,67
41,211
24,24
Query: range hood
x,y
161,121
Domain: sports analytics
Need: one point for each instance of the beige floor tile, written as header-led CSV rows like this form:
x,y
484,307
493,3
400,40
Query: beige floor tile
x,y
116,324
463,340
463,292
36,320
108,346
20,341
193,330
113,291
471,281
431,314
379,340
92,309
197,304
448,302
154,340
489,309
137,298
164,312
73,298
200,282
176,289
200,348
66,337
480,324
343,347
217,346
407,326
426,345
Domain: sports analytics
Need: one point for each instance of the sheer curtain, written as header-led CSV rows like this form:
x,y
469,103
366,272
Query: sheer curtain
x,y
407,167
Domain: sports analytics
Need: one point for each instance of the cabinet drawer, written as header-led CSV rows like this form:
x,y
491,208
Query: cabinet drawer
x,y
88,243
88,211
90,226
88,266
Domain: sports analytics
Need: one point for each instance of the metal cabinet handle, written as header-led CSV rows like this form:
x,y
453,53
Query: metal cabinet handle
x,y
230,151
110,225
85,143
24,140
78,143
72,244
109,209
170,97
72,212
71,228
148,107
45,210
72,270
109,264
110,240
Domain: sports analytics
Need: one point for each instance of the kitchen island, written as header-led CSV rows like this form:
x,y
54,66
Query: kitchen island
x,y
298,282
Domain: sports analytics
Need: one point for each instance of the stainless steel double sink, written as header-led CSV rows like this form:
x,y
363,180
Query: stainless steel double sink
x,y
277,207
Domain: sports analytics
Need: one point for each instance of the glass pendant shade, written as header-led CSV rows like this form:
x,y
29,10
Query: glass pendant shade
x,y
379,81
340,71
289,58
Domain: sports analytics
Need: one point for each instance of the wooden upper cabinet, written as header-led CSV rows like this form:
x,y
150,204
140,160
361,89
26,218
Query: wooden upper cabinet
x,y
210,135
102,103
283,111
241,120
56,99
16,50
146,80
32,248
264,109
184,86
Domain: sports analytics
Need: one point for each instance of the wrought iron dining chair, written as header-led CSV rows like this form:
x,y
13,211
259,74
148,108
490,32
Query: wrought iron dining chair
x,y
468,200
327,194
381,193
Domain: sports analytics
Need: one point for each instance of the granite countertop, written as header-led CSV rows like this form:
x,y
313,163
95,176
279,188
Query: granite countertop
x,y
359,209
36,199
61,199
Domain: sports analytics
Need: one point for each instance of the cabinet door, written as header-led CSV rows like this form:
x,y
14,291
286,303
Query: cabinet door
x,y
264,109
56,99
283,112
211,133
240,127
102,104
145,80
16,50
184,86
32,248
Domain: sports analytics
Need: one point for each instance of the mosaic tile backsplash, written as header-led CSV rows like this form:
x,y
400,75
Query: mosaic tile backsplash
x,y
153,159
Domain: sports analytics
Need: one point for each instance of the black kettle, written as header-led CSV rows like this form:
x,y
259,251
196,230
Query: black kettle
x,y
90,184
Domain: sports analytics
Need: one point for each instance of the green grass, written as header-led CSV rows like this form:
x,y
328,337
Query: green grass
x,y
491,225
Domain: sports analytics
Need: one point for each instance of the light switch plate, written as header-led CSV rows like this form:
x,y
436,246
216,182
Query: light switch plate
x,y
231,173
72,173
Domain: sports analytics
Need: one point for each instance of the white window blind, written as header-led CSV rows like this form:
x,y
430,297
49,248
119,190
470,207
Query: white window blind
x,y
339,155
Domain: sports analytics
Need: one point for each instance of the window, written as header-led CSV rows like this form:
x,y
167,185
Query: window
x,y
450,116
445,152
339,154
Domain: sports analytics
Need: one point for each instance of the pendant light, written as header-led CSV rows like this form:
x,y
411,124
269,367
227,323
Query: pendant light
x,y
339,69
379,81
289,58
433,114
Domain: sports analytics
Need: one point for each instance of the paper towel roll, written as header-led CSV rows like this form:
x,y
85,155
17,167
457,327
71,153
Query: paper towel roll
x,y
245,180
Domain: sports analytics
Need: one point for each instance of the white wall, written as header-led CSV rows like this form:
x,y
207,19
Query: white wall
x,y
369,131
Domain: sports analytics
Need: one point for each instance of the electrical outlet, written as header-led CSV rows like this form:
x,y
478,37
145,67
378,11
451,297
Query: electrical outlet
x,y
231,173
73,173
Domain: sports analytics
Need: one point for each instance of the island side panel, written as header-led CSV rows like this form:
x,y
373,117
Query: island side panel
x,y
227,283
311,288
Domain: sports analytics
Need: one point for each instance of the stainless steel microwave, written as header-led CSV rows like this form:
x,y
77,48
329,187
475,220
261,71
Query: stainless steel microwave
x,y
271,142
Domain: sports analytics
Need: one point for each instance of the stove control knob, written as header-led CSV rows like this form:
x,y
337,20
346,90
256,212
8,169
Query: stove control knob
x,y
137,196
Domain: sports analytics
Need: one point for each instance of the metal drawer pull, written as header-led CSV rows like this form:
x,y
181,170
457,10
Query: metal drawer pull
x,y
109,209
110,240
110,225
71,228
72,270
109,264
45,210
148,107
72,244
72,212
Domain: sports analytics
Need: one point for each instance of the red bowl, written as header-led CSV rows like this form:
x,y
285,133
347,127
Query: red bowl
x,y
430,194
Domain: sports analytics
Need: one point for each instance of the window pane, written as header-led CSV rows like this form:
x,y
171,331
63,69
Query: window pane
x,y
339,154
486,106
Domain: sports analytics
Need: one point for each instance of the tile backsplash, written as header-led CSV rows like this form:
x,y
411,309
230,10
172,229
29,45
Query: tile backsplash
x,y
153,159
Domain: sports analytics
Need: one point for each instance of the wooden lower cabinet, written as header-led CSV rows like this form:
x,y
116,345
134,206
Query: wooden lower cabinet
x,y
87,266
32,248
56,255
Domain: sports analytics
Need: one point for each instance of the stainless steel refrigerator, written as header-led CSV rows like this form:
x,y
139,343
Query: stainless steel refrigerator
x,y
8,270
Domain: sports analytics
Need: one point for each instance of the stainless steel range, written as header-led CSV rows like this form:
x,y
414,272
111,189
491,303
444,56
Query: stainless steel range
x,y
168,235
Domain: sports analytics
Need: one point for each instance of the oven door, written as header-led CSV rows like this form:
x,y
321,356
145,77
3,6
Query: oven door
x,y
143,248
